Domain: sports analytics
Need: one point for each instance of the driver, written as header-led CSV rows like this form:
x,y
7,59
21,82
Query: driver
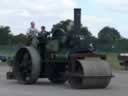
x,y
43,33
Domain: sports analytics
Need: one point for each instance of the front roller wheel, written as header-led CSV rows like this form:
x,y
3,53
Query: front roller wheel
x,y
27,66
90,73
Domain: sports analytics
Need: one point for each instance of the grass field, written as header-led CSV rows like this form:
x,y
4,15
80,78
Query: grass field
x,y
111,57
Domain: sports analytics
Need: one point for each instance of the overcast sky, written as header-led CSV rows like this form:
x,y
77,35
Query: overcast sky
x,y
95,13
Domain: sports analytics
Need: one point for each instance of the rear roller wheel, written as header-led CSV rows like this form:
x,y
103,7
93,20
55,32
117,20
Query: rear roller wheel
x,y
27,67
90,73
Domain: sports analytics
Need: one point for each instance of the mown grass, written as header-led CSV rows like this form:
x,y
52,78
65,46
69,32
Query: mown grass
x,y
112,58
7,52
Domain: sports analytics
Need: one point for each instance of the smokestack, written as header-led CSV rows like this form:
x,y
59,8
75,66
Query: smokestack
x,y
77,20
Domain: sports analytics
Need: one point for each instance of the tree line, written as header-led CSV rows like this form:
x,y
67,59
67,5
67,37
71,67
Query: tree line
x,y
108,39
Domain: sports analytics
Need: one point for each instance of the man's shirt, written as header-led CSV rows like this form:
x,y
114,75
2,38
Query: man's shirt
x,y
43,34
32,32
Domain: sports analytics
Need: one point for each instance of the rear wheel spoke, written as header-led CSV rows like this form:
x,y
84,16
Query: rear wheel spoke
x,y
25,66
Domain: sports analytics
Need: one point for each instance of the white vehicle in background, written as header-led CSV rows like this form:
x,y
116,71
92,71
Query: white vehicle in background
x,y
123,58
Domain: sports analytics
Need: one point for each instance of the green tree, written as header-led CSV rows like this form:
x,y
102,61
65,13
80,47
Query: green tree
x,y
88,35
19,39
108,39
4,35
109,35
122,45
86,32
67,26
63,24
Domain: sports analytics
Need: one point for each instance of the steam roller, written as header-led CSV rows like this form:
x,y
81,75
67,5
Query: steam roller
x,y
62,58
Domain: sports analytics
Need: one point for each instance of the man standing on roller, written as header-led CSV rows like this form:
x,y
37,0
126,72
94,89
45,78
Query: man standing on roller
x,y
32,31
32,34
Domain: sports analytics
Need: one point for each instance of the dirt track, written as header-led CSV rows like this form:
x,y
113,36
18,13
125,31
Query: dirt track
x,y
118,87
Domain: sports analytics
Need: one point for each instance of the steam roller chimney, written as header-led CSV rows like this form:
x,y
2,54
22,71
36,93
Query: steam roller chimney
x,y
77,20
